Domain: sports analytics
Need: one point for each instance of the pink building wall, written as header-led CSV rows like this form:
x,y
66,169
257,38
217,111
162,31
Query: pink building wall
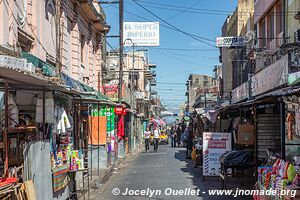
x,y
39,24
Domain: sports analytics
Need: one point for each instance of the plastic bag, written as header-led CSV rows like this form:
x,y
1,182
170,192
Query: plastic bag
x,y
194,154
291,172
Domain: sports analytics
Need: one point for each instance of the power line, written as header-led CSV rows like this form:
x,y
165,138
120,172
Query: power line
x,y
185,10
183,32
178,49
209,11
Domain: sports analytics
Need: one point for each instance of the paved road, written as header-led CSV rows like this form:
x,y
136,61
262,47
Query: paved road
x,y
158,171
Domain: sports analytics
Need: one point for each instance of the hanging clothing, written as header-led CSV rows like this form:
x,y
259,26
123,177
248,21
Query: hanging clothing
x,y
63,123
212,116
121,131
297,120
290,120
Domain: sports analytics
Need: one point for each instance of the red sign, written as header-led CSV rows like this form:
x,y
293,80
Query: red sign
x,y
217,144
120,111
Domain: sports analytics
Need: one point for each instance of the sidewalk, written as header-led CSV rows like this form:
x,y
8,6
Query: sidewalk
x,y
98,181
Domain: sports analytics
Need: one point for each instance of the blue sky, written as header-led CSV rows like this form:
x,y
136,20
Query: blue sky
x,y
203,18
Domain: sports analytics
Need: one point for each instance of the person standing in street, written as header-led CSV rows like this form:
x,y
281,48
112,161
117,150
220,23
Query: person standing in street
x,y
156,138
189,139
147,134
173,137
178,135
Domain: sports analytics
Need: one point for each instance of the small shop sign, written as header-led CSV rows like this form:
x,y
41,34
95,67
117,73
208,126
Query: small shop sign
x,y
214,145
16,63
230,41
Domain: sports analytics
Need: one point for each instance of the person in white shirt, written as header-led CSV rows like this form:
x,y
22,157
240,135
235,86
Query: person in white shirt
x,y
156,138
147,134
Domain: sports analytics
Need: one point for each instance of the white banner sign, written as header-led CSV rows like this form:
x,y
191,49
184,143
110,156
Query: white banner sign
x,y
271,77
230,41
214,145
141,33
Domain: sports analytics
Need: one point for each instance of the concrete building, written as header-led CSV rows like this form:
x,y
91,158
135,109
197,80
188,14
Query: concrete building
x,y
194,82
234,25
62,37
75,46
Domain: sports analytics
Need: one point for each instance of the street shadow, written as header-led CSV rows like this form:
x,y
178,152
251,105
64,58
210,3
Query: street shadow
x,y
212,183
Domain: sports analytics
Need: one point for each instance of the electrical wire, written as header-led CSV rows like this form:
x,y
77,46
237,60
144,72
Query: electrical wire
x,y
178,49
209,11
185,10
179,30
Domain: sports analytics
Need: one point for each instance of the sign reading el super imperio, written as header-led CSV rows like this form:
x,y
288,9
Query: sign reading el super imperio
x,y
214,145
141,33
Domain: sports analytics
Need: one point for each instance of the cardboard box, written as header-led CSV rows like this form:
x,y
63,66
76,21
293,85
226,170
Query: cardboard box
x,y
245,134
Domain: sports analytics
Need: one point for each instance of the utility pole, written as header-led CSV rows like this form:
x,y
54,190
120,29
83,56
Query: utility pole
x,y
121,18
58,36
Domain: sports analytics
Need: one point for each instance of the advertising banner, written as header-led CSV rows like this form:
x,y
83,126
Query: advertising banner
x,y
141,33
214,145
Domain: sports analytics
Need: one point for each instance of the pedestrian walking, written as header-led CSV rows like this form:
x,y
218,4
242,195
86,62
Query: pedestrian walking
x,y
156,138
147,134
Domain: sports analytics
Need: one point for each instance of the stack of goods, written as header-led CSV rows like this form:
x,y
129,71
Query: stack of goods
x,y
281,176
76,160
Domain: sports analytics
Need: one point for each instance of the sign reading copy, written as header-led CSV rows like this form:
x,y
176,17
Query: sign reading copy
x,y
141,33
214,145
230,41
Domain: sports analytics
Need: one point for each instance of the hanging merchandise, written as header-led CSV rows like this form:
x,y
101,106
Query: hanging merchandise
x,y
121,131
297,119
290,120
63,122
49,108
98,121
278,177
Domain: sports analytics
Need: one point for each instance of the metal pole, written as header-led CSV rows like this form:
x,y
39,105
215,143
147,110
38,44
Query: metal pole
x,y
98,139
5,138
282,128
121,16
44,113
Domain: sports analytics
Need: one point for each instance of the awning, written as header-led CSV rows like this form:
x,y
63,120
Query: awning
x,y
29,81
265,98
46,68
86,92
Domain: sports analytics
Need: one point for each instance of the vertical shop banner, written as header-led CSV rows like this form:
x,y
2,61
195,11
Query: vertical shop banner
x,y
214,145
98,121
110,115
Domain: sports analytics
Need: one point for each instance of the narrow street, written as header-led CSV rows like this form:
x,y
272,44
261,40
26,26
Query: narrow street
x,y
167,168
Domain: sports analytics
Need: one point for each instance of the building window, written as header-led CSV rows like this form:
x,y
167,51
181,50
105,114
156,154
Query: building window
x,y
82,48
279,17
262,34
271,26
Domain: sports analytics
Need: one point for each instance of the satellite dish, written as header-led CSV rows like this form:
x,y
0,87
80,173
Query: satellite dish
x,y
249,36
